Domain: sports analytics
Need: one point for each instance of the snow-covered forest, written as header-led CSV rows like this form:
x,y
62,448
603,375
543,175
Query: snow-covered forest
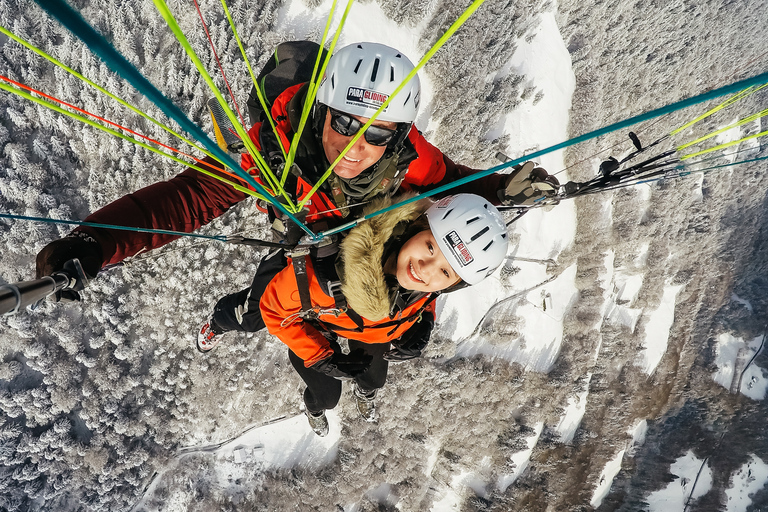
x,y
618,373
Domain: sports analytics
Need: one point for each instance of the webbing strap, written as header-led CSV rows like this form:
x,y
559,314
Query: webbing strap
x,y
299,259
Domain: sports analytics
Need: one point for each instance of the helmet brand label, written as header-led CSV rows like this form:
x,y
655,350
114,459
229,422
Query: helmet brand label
x,y
444,202
366,97
459,248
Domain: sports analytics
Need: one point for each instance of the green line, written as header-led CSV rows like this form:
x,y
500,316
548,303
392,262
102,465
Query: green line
x,y
173,25
315,85
73,21
440,42
253,77
749,119
220,238
724,155
90,122
725,145
758,79
71,71
730,101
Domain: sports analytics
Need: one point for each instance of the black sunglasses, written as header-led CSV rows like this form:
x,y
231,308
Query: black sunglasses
x,y
346,125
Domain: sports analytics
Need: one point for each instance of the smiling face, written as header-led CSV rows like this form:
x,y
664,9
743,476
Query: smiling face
x,y
359,157
421,265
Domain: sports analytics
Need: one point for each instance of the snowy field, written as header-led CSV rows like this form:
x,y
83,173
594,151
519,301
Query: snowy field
x,y
622,355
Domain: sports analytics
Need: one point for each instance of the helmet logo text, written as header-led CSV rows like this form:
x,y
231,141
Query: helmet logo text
x,y
366,97
459,248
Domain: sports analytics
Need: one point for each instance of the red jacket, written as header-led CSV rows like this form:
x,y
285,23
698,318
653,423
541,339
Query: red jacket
x,y
192,199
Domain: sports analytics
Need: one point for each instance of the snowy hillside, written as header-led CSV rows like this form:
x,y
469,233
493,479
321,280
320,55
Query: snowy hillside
x,y
622,370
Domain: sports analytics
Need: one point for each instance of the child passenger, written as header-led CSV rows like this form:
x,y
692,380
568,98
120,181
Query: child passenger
x,y
377,294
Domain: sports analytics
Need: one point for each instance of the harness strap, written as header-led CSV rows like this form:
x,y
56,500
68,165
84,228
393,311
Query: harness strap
x,y
299,257
311,314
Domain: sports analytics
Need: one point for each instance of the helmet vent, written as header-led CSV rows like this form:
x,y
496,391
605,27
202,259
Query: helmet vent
x,y
333,81
391,73
375,70
447,214
357,68
473,219
406,99
479,234
488,246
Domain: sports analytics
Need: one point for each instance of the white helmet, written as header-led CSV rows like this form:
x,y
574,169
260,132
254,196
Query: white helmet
x,y
362,76
471,233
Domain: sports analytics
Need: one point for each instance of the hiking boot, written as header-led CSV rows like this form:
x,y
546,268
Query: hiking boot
x,y
209,336
318,422
365,403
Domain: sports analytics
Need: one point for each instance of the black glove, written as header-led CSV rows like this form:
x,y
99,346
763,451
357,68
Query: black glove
x,y
75,245
344,366
528,183
412,342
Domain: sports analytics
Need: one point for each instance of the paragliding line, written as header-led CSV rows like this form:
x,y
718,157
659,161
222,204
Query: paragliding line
x,y
266,172
760,79
99,88
221,68
89,122
440,42
101,47
309,102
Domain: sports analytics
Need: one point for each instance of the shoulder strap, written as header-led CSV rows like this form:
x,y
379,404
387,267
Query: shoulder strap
x,y
299,258
292,63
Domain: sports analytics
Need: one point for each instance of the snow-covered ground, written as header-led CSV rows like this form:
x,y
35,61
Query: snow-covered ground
x,y
681,492
657,330
747,480
488,413
733,355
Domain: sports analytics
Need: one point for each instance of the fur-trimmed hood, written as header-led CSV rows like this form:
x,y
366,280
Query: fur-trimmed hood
x,y
362,277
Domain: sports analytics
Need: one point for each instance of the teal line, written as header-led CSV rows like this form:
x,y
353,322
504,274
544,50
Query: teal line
x,y
687,169
72,20
47,220
695,100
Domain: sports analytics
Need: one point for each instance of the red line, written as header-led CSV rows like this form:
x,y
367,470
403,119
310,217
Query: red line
x,y
221,68
30,89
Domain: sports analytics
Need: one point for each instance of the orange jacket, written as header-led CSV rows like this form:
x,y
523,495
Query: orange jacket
x,y
281,304
363,285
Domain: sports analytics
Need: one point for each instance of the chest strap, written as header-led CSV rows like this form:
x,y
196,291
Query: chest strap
x,y
309,312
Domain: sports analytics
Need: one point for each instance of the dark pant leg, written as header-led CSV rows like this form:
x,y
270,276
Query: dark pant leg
x,y
376,375
240,311
323,392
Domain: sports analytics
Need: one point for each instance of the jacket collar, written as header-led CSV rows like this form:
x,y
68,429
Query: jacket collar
x,y
363,282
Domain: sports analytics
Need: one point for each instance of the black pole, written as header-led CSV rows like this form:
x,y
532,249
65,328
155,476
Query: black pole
x,y
17,296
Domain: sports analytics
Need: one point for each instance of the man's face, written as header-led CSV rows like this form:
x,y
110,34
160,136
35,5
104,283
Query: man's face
x,y
422,266
360,156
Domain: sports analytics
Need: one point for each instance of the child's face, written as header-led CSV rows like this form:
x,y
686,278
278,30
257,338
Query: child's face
x,y
421,266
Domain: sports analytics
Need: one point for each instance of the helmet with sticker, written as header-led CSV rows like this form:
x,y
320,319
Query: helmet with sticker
x,y
471,233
